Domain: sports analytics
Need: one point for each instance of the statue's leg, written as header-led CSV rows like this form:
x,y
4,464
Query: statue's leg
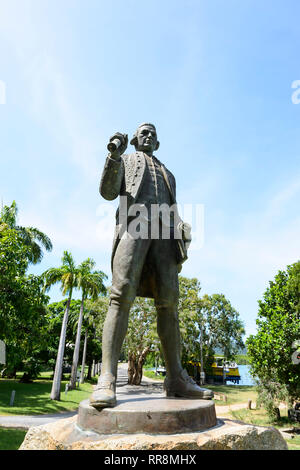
x,y
114,332
177,382
166,302
127,267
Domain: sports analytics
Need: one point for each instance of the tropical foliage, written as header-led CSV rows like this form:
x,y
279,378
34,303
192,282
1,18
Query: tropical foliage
x,y
91,285
273,350
207,323
22,301
36,334
66,276
31,237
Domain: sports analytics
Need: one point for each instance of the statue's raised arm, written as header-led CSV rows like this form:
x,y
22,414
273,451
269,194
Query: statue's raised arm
x,y
113,173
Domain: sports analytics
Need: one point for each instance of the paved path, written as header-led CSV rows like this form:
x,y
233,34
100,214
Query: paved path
x,y
26,421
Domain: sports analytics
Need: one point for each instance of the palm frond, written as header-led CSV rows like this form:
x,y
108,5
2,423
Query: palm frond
x,y
41,237
68,260
52,276
31,236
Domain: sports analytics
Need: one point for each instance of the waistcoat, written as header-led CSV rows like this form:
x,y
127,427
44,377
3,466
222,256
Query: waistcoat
x,y
154,189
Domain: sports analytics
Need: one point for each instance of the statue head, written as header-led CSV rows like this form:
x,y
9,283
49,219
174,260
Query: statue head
x,y
145,138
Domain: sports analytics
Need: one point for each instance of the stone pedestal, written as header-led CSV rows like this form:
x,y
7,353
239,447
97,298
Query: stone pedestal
x,y
151,422
144,414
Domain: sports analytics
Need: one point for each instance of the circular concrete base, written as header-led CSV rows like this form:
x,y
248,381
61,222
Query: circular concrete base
x,y
152,414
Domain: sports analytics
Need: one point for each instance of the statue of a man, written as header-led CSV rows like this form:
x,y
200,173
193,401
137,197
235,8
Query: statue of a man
x,y
146,265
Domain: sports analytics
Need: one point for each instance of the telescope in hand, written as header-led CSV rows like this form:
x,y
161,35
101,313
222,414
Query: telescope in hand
x,y
116,142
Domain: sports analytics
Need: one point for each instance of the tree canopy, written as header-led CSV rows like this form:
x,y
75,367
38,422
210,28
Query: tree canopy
x,y
207,323
29,327
272,349
22,301
34,239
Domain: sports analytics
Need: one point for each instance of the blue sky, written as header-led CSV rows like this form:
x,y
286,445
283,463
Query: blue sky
x,y
216,79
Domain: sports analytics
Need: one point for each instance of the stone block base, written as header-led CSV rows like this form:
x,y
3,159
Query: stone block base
x,y
226,435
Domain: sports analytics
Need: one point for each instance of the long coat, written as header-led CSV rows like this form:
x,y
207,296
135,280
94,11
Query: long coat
x,y
124,178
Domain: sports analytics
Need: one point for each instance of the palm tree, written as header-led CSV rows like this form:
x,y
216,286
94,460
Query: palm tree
x,y
91,285
31,236
89,324
67,276
84,356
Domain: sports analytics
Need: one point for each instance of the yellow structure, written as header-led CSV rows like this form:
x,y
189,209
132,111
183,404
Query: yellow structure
x,y
230,371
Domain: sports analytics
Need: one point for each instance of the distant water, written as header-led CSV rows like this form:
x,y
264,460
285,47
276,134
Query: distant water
x,y
246,377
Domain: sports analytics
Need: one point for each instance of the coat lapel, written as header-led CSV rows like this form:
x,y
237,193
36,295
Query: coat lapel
x,y
165,175
134,173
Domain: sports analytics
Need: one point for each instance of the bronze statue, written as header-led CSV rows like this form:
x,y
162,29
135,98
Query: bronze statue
x,y
145,265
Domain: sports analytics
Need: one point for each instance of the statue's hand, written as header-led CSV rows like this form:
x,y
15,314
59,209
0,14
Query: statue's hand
x,y
117,145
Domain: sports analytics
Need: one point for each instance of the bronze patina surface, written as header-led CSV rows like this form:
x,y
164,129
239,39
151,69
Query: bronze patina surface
x,y
143,265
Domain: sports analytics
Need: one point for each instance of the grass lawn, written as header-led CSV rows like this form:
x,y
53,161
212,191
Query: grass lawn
x,y
151,375
11,439
234,393
34,398
294,444
259,417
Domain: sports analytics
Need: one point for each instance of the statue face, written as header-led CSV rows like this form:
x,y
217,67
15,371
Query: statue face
x,y
146,139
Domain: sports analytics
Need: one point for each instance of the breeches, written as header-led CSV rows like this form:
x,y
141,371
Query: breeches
x,y
136,258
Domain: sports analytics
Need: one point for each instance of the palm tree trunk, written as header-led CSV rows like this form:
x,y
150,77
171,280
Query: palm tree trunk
x,y
83,358
73,377
89,374
55,391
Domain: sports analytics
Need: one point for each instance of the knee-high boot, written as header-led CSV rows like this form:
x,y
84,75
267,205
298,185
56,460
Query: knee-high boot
x,y
114,332
177,382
